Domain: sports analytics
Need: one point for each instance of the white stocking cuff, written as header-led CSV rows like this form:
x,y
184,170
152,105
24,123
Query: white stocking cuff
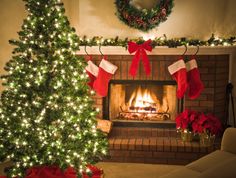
x,y
191,64
92,68
176,66
108,67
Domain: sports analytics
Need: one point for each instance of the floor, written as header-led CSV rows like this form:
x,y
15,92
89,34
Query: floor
x,y
135,170
129,170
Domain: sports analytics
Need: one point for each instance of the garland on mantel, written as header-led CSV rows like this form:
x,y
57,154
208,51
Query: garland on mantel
x,y
161,41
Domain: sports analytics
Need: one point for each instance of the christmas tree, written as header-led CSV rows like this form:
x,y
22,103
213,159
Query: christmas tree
x,y
46,114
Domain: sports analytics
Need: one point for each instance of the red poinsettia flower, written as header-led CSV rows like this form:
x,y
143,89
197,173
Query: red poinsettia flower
x,y
213,125
198,122
184,120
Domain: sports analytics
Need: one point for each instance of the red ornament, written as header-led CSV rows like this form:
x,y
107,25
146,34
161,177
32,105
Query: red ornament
x,y
139,21
163,12
125,15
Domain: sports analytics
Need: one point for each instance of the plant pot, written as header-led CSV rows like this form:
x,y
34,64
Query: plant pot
x,y
206,139
186,136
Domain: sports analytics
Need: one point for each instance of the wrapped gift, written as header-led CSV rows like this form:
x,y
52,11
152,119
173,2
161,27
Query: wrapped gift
x,y
56,172
104,125
45,171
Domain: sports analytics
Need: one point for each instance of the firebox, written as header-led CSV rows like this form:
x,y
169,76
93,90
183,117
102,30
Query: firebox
x,y
141,101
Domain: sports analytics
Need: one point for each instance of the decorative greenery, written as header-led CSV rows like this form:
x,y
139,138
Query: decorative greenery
x,y
143,19
46,112
161,41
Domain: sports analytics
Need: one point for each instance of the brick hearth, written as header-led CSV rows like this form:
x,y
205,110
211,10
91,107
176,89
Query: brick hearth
x,y
154,145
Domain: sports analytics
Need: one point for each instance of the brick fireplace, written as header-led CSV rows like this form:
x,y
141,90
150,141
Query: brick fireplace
x,y
158,142
214,71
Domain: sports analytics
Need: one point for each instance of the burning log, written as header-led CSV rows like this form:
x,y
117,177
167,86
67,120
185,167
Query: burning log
x,y
151,109
144,116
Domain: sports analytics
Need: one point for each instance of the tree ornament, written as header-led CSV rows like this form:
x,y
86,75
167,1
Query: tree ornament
x,y
143,17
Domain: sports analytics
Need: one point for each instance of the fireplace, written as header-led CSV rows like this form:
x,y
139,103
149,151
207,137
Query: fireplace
x,y
141,101
156,141
214,71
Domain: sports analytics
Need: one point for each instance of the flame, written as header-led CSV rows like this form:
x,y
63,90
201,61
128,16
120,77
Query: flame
x,y
142,98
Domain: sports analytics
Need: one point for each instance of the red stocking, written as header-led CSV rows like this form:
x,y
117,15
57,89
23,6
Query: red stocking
x,y
195,83
92,71
178,72
106,70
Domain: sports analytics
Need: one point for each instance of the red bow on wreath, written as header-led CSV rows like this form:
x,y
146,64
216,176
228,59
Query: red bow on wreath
x,y
140,53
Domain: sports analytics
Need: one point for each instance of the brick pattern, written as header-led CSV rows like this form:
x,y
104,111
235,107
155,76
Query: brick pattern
x,y
214,70
154,146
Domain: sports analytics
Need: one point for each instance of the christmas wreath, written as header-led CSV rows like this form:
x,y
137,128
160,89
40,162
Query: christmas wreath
x,y
143,19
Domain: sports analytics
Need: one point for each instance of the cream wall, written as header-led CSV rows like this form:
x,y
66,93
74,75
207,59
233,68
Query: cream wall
x,y
190,18
11,18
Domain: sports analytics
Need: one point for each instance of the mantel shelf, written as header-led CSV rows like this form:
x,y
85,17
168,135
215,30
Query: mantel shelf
x,y
118,50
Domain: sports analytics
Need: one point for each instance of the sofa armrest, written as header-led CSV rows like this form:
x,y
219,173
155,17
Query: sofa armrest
x,y
229,140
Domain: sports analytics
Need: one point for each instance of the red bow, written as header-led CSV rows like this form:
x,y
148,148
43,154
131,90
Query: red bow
x,y
140,53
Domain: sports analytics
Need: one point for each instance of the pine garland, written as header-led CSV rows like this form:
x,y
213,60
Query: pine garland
x,y
160,41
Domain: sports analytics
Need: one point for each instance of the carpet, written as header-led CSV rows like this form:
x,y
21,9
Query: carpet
x,y
135,170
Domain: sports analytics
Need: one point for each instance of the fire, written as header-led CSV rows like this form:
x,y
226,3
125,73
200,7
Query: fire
x,y
141,99
144,104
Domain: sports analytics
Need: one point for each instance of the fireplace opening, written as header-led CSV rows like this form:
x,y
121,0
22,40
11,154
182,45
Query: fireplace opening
x,y
141,101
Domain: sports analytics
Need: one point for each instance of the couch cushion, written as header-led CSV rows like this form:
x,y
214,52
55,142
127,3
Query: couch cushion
x,y
227,169
210,160
182,172
229,140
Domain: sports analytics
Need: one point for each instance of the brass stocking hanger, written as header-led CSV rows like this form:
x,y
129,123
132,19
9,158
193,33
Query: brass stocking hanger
x,y
197,50
186,49
86,50
100,50
89,57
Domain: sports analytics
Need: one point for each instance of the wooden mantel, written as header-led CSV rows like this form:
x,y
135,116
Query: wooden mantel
x,y
118,50
162,50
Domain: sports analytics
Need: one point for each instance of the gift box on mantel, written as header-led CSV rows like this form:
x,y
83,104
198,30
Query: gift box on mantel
x,y
56,172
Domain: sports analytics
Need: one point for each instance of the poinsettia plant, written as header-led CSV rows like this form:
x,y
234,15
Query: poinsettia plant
x,y
208,123
198,122
185,120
